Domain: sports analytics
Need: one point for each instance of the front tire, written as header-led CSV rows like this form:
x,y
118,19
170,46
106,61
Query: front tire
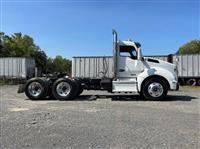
x,y
155,89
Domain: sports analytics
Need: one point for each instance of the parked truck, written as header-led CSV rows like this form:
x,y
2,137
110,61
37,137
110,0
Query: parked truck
x,y
132,72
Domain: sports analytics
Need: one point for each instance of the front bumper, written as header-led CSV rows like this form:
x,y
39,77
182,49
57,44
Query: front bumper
x,y
174,86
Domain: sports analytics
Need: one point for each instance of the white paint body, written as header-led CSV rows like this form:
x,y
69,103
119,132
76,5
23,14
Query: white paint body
x,y
132,72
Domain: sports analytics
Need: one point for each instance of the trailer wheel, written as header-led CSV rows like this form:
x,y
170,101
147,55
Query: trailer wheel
x,y
36,88
181,81
63,89
154,89
191,82
198,82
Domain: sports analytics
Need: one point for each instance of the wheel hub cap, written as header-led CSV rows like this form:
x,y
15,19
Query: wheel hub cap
x,y
63,89
35,89
155,89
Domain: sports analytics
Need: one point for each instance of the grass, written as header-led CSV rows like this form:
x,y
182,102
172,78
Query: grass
x,y
9,82
187,87
4,82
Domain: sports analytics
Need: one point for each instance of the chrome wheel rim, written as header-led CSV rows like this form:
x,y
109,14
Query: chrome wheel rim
x,y
35,89
63,89
155,89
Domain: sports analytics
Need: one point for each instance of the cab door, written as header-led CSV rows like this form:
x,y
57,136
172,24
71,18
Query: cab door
x,y
128,64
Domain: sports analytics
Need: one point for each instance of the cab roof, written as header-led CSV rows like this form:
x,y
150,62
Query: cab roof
x,y
130,43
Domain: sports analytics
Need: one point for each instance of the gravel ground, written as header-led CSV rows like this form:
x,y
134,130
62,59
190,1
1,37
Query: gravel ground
x,y
100,120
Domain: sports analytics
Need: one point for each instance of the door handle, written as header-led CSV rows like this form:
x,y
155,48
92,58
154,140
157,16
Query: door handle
x,y
121,70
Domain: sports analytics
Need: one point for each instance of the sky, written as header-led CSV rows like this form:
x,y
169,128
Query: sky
x,y
84,27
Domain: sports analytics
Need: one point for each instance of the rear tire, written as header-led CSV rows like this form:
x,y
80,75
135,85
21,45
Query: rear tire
x,y
36,88
63,89
154,89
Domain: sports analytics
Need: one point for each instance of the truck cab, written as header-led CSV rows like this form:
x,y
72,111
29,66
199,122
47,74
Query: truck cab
x,y
134,73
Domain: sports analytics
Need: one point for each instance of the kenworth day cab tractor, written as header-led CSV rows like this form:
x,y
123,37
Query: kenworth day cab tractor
x,y
151,78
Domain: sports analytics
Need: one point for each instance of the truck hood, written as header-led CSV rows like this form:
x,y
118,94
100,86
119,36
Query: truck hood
x,y
151,62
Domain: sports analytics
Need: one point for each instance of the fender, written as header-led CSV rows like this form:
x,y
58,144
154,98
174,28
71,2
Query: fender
x,y
21,88
157,71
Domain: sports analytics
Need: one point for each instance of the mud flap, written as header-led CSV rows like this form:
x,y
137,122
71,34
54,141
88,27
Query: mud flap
x,y
21,88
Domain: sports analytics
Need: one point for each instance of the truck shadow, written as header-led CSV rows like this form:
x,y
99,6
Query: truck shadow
x,y
125,98
132,98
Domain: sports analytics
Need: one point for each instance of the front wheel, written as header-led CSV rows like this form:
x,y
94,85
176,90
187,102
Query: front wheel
x,y
154,89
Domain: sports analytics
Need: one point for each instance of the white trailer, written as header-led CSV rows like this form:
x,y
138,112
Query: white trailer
x,y
132,72
189,69
20,68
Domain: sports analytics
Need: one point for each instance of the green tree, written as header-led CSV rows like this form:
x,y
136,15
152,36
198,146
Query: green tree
x,y
193,47
4,44
49,65
61,65
40,58
18,45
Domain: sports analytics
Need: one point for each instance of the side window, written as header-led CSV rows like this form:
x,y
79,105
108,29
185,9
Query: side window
x,y
125,54
128,51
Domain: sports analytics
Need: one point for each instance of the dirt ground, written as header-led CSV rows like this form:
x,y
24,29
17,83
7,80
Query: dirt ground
x,y
100,120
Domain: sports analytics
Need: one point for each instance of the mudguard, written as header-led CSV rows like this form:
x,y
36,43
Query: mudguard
x,y
21,88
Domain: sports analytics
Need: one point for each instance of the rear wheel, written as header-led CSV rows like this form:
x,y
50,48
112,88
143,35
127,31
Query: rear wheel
x,y
154,89
36,89
63,89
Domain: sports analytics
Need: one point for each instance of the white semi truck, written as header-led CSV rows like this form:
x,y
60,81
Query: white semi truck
x,y
151,78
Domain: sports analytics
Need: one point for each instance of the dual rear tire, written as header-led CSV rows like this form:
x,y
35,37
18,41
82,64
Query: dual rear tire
x,y
62,89
36,88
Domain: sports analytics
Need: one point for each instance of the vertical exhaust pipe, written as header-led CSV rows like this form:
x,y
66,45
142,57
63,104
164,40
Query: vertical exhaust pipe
x,y
115,47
